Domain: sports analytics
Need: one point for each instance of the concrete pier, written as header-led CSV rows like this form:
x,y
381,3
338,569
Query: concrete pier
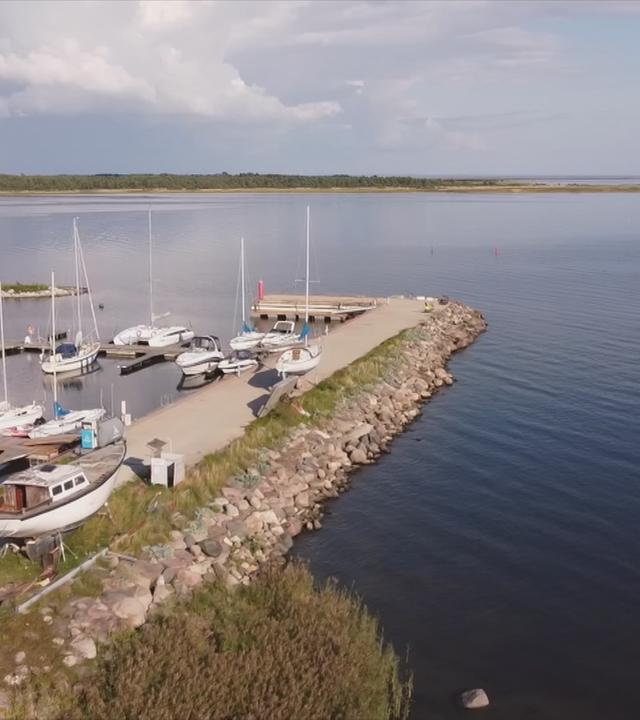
x,y
215,415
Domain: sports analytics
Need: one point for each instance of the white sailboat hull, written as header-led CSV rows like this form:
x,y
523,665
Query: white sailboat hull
x,y
86,356
299,361
246,341
67,516
14,417
67,423
154,336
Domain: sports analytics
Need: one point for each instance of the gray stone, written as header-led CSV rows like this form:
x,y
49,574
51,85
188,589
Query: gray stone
x,y
162,593
231,510
133,610
302,499
474,699
70,660
358,432
211,547
358,457
20,657
84,647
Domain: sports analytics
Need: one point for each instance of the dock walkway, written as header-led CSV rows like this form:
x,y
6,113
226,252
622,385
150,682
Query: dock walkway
x,y
214,416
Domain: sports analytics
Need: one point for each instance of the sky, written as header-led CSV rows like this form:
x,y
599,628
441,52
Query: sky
x,y
476,87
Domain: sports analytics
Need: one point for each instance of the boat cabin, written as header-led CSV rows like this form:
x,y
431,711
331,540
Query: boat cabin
x,y
284,327
208,343
66,350
37,486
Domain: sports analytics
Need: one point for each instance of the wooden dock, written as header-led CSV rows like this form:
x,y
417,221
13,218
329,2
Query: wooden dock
x,y
326,308
140,356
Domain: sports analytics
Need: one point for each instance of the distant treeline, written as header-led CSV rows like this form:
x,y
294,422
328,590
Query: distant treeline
x,y
219,181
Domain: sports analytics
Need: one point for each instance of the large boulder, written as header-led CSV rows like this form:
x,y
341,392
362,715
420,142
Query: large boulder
x,y
84,647
133,610
474,699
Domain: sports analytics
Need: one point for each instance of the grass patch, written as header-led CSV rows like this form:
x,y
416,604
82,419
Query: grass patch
x,y
278,649
24,287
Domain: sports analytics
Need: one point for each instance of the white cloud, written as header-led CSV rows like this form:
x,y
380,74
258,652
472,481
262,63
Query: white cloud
x,y
157,58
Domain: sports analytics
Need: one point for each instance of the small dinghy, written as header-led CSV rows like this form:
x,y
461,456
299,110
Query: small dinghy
x,y
202,356
55,498
237,362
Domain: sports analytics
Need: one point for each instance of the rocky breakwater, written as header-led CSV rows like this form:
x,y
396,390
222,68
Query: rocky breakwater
x,y
258,513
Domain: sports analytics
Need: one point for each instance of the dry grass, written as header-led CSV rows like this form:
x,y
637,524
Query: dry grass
x,y
278,649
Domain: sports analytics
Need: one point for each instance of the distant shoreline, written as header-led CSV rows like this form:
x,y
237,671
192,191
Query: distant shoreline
x,y
462,188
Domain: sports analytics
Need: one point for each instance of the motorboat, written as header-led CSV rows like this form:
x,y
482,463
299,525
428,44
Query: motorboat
x,y
154,336
248,337
66,421
282,335
202,356
237,362
300,360
54,498
12,416
81,354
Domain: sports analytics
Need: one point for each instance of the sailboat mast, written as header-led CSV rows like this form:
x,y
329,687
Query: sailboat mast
x,y
75,251
306,291
4,357
242,281
150,272
53,339
86,279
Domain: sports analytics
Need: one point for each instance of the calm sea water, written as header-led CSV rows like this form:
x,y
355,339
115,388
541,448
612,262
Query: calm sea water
x,y
499,542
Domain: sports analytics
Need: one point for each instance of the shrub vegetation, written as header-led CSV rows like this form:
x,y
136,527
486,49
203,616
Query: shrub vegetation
x,y
277,649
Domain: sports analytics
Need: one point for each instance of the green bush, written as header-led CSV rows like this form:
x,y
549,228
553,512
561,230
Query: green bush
x,y
276,650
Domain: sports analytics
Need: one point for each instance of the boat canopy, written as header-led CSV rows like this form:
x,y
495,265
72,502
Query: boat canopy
x,y
67,350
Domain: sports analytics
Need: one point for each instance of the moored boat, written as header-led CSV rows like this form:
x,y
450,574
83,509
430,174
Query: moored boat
x,y
152,334
202,355
11,416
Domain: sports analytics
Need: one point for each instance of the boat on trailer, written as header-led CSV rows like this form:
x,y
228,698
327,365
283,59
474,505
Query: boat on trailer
x,y
66,421
300,360
55,498
202,355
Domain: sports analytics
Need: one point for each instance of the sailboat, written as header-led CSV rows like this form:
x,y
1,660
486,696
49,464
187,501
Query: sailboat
x,y
151,334
13,417
64,421
248,337
82,353
300,360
